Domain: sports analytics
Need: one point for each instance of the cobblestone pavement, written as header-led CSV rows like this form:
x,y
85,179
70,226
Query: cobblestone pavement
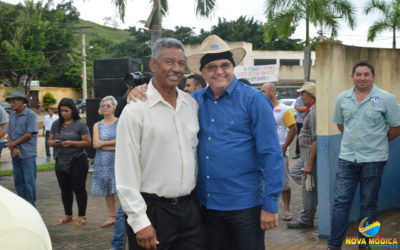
x,y
93,237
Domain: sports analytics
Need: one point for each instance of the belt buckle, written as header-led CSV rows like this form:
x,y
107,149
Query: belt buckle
x,y
175,200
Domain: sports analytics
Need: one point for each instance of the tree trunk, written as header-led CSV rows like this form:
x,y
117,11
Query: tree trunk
x,y
307,50
307,63
27,84
394,38
156,32
155,27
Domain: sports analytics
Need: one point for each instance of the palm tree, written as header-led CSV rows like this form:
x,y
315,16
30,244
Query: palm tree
x,y
160,8
390,18
283,14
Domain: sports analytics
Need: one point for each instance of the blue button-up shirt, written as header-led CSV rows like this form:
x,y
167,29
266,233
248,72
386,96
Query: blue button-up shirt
x,y
366,124
21,124
240,160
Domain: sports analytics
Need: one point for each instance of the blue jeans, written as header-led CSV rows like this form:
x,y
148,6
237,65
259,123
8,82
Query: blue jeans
x,y
46,144
233,230
117,242
25,178
348,175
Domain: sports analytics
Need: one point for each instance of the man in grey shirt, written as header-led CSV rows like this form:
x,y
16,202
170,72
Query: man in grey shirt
x,y
3,127
22,135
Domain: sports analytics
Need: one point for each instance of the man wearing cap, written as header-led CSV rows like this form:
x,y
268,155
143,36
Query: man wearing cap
x,y
22,132
368,118
304,172
240,174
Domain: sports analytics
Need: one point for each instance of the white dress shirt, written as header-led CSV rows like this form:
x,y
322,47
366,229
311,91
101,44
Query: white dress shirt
x,y
155,152
48,121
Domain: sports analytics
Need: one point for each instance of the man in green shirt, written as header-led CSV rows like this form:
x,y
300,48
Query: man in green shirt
x,y
368,118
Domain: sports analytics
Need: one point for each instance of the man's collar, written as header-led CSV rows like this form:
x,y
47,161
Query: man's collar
x,y
154,97
352,93
23,112
228,91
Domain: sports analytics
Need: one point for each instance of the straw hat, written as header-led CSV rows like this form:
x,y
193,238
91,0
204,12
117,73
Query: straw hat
x,y
310,87
213,45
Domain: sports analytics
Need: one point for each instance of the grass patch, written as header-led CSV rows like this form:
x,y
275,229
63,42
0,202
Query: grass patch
x,y
40,168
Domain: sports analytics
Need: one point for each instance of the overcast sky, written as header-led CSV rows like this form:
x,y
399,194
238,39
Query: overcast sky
x,y
182,13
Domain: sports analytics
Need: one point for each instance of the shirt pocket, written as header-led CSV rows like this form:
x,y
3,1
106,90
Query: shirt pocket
x,y
348,114
191,131
373,116
237,125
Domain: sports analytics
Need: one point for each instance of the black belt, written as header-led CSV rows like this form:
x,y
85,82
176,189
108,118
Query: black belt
x,y
174,201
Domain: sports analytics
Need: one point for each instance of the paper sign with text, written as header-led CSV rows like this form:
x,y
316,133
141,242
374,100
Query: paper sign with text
x,y
258,74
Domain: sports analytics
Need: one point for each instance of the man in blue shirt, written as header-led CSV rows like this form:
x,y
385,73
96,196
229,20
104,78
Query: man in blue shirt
x,y
368,118
240,160
240,174
22,131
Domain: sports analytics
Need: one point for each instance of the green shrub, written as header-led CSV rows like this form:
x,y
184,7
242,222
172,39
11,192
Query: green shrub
x,y
49,100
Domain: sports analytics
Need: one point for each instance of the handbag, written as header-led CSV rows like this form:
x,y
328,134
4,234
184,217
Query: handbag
x,y
64,164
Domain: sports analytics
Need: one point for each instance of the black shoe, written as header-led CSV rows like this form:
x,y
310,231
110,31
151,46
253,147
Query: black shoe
x,y
298,225
296,156
332,248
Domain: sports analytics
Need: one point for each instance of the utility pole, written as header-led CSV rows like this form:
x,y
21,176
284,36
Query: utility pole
x,y
84,78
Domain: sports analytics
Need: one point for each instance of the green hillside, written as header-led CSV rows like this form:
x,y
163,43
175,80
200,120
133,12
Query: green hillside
x,y
104,32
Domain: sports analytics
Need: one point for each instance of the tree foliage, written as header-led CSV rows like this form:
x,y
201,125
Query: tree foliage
x,y
49,100
389,18
249,30
34,39
282,15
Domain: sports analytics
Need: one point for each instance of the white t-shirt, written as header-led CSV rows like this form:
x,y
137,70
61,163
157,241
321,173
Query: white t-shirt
x,y
48,121
21,226
284,119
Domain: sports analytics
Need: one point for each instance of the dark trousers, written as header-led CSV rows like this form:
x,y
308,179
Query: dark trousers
x,y
178,225
46,144
233,230
348,175
74,182
298,125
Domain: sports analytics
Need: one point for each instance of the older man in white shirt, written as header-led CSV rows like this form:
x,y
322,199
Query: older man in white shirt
x,y
155,161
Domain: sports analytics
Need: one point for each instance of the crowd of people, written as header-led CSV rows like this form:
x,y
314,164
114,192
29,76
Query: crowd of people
x,y
204,168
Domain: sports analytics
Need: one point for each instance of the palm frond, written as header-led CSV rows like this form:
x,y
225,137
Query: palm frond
x,y
205,7
375,28
120,4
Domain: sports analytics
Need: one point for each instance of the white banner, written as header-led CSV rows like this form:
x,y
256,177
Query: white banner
x,y
258,74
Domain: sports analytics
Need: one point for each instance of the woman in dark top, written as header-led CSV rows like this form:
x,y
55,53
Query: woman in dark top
x,y
69,136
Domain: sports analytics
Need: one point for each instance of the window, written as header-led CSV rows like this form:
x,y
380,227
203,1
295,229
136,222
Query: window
x,y
264,61
289,62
